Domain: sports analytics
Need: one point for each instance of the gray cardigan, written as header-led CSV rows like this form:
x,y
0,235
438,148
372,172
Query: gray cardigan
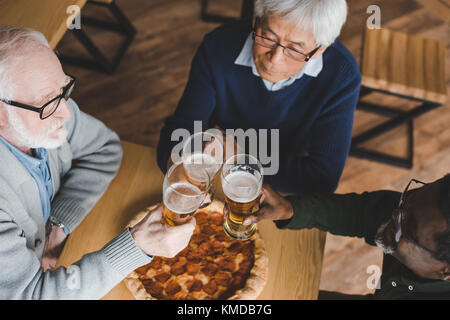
x,y
81,170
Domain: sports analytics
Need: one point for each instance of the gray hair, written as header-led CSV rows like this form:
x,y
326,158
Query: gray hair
x,y
324,18
12,39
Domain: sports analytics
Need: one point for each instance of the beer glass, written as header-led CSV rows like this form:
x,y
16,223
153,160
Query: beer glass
x,y
182,195
202,150
242,179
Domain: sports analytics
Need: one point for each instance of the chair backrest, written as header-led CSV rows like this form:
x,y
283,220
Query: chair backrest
x,y
404,64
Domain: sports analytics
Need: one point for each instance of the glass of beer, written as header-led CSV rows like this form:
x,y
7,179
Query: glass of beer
x,y
182,195
242,179
202,150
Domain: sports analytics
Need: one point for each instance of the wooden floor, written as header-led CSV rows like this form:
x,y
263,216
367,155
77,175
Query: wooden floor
x,y
151,78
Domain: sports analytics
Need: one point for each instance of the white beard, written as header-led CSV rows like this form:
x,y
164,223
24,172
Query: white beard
x,y
22,136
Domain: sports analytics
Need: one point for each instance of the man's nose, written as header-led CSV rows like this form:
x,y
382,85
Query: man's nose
x,y
276,55
63,110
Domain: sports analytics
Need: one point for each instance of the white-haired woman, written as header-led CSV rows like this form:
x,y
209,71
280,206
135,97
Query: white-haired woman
x,y
284,71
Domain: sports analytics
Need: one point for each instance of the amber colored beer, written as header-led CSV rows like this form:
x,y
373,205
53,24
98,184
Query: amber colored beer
x,y
174,219
239,211
242,190
181,201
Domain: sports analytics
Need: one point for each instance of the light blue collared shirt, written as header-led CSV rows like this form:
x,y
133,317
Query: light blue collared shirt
x,y
37,166
245,58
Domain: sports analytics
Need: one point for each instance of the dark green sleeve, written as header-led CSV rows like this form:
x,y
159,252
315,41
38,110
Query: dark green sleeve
x,y
353,215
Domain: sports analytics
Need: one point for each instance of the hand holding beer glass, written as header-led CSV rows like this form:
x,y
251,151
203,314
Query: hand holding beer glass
x,y
242,179
187,184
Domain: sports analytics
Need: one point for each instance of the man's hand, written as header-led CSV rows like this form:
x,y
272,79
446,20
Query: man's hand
x,y
272,207
158,239
55,238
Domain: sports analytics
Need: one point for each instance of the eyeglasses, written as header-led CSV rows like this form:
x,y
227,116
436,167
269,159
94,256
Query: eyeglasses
x,y
50,107
288,51
400,217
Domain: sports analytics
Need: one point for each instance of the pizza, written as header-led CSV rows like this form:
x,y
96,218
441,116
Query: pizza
x,y
212,266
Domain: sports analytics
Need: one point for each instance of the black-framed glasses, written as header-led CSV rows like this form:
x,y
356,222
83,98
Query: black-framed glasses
x,y
49,107
400,217
288,51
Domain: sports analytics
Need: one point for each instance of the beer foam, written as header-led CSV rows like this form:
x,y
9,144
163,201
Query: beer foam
x,y
183,198
195,163
241,186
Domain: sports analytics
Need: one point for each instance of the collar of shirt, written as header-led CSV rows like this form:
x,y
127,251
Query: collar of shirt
x,y
28,161
245,58
39,171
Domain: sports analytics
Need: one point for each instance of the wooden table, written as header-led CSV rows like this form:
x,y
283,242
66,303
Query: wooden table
x,y
46,16
295,257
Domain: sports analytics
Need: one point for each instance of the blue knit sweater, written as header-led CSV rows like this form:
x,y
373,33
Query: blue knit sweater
x,y
314,115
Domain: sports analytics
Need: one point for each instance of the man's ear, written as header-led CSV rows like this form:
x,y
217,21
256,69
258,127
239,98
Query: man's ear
x,y
253,21
319,52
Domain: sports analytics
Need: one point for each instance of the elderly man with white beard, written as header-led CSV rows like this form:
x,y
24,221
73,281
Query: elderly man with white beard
x,y
55,164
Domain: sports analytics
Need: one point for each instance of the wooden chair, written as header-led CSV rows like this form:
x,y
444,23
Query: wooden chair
x,y
246,13
405,66
122,26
